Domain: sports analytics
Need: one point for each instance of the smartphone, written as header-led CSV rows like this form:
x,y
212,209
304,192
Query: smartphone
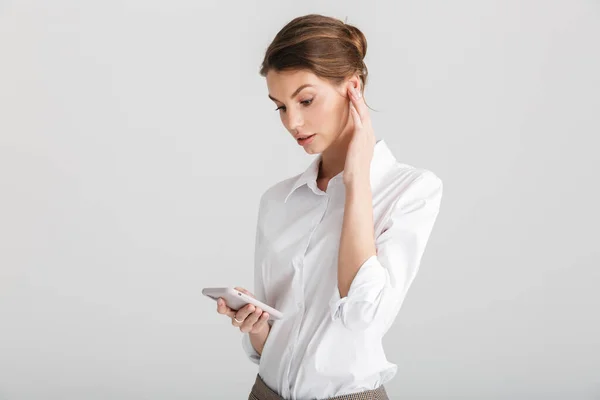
x,y
236,300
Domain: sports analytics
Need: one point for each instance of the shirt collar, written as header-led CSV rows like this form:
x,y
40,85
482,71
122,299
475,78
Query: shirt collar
x,y
382,160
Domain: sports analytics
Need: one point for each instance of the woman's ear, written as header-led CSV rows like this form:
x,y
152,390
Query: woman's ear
x,y
353,82
356,83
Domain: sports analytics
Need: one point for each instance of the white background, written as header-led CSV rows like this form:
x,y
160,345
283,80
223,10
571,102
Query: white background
x,y
136,138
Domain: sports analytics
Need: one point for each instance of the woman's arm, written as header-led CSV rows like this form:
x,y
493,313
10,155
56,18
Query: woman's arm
x,y
254,343
357,242
378,286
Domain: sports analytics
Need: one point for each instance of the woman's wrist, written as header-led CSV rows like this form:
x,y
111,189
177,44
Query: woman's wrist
x,y
357,183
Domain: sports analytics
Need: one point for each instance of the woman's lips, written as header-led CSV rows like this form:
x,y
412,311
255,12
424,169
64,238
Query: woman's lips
x,y
306,141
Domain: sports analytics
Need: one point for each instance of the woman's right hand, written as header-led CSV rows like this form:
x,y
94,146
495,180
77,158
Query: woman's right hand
x,y
254,320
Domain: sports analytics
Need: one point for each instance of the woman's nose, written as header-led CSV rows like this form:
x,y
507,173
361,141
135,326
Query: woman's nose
x,y
295,120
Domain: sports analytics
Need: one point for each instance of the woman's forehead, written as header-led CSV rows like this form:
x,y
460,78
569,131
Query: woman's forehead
x,y
283,84
291,78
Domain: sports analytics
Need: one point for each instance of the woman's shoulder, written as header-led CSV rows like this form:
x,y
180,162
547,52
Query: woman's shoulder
x,y
278,191
403,175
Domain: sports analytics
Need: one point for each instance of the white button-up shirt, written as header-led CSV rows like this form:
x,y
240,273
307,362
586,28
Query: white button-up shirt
x,y
327,346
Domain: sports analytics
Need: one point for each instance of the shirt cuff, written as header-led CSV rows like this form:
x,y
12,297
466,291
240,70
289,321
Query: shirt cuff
x,y
249,349
365,289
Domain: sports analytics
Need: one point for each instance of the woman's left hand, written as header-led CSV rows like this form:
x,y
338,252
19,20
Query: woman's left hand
x,y
362,144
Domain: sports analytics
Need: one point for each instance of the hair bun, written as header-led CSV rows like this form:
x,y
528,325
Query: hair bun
x,y
358,39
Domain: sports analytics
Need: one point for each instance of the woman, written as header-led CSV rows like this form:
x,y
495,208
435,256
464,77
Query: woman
x,y
338,245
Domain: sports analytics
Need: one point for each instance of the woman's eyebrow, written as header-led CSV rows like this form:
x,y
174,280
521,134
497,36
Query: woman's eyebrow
x,y
295,92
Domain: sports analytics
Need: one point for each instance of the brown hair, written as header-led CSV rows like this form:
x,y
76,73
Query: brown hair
x,y
326,46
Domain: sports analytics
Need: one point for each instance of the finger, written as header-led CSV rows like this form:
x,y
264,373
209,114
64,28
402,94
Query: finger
x,y
355,116
243,313
250,320
222,308
359,103
262,321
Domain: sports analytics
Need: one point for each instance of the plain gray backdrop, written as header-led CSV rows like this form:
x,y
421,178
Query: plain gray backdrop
x,y
137,138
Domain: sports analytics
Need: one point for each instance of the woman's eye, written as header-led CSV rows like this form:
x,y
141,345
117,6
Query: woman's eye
x,y
305,102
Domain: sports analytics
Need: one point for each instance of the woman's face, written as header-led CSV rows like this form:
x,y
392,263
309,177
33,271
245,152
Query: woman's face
x,y
319,109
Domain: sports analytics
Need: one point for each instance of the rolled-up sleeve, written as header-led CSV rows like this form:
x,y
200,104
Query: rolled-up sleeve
x,y
380,285
259,288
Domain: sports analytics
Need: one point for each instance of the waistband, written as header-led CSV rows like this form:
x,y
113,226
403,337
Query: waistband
x,y
260,391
